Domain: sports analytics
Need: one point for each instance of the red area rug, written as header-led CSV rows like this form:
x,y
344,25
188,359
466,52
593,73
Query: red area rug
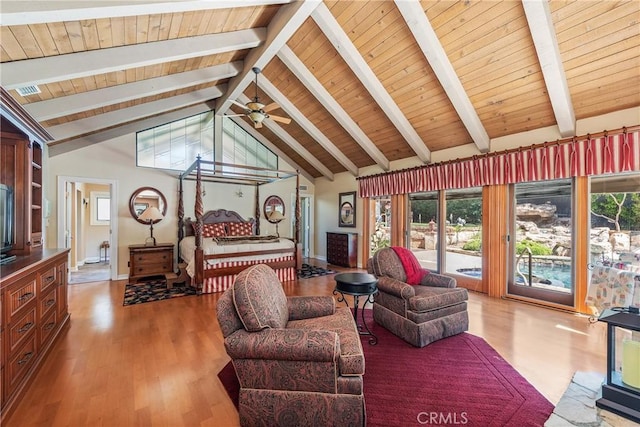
x,y
459,380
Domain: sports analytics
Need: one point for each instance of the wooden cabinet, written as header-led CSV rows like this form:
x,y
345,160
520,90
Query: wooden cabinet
x,y
146,261
21,165
36,196
33,310
342,249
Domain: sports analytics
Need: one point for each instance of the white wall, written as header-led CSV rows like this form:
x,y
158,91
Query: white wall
x,y
327,211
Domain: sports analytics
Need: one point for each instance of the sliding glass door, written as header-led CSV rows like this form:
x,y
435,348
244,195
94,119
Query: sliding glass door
x,y
453,217
541,241
423,228
614,237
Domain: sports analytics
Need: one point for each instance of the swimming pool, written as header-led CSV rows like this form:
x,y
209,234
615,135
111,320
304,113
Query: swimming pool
x,y
550,274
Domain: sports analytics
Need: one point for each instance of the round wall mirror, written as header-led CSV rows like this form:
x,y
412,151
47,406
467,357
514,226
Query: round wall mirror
x,y
144,198
271,205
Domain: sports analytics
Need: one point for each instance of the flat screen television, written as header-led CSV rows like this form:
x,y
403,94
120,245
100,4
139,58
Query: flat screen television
x,y
6,219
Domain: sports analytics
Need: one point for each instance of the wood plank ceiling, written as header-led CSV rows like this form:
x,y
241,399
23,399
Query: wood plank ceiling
x,y
365,83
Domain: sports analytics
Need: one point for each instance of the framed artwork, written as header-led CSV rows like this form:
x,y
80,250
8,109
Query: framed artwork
x,y
347,209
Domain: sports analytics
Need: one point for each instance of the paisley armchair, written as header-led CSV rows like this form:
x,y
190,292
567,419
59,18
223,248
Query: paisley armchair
x,y
299,360
420,313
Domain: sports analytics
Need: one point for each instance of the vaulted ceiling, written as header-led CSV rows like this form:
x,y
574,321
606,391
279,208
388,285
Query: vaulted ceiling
x,y
364,82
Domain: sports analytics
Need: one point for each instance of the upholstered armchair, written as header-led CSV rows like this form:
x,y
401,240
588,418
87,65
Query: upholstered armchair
x,y
420,313
299,360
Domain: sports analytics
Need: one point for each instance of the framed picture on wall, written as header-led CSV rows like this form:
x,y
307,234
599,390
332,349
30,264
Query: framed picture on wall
x,y
347,209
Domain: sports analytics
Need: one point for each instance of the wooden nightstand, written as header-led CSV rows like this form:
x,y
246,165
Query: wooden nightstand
x,y
146,261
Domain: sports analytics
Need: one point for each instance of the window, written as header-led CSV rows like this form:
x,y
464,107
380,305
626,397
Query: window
x,y
423,229
542,240
176,145
240,148
463,249
460,229
100,208
381,237
615,221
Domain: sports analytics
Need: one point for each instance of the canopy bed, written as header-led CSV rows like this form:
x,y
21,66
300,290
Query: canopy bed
x,y
218,244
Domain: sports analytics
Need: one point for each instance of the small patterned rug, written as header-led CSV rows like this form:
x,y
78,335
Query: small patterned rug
x,y
155,290
308,271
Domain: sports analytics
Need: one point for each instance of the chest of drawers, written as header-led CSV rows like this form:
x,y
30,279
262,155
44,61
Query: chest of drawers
x,y
33,311
342,249
145,261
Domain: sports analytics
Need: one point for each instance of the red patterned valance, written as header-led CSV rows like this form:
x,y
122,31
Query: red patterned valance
x,y
578,157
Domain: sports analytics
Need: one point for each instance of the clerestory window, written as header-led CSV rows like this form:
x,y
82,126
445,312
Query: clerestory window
x,y
176,145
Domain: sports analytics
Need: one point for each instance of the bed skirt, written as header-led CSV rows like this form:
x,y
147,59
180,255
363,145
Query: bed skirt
x,y
222,283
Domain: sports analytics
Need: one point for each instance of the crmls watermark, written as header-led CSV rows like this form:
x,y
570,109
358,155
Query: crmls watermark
x,y
442,418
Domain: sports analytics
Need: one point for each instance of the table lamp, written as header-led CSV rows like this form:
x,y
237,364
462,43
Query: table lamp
x,y
151,215
275,217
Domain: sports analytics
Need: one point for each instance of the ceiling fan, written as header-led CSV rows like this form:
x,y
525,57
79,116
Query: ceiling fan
x,y
256,111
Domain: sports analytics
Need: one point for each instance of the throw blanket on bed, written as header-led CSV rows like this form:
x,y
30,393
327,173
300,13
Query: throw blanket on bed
x,y
237,240
412,267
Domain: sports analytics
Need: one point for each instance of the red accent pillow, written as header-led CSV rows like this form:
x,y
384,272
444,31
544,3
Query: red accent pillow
x,y
214,230
240,228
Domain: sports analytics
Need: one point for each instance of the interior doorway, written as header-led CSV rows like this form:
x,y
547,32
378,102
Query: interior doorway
x,y
306,238
86,220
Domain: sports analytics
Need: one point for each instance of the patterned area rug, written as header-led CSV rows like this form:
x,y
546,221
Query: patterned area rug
x,y
459,380
155,290
313,271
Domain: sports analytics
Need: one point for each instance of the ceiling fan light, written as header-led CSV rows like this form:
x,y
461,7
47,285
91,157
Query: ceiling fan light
x,y
256,116
255,105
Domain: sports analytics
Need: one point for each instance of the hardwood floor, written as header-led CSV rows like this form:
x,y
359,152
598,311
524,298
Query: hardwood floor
x,y
157,363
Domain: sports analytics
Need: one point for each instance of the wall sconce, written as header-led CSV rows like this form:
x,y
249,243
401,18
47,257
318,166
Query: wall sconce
x,y
239,193
85,202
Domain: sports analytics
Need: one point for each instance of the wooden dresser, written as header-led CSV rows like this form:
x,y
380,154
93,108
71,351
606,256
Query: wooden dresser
x,y
34,309
342,249
146,261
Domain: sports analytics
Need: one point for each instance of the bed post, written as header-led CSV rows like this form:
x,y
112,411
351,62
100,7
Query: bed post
x,y
257,222
297,213
199,211
296,233
180,217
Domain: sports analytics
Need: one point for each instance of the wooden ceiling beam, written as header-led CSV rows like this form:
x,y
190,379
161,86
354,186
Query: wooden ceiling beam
x,y
83,64
314,86
428,41
544,39
345,47
270,145
40,12
137,112
63,106
283,25
295,145
288,106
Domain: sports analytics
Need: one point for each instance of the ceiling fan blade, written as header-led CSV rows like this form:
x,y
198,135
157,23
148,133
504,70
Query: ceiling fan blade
x,y
233,101
285,120
270,107
235,115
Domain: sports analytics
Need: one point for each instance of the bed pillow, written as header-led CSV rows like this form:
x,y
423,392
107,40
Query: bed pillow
x,y
239,228
214,230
